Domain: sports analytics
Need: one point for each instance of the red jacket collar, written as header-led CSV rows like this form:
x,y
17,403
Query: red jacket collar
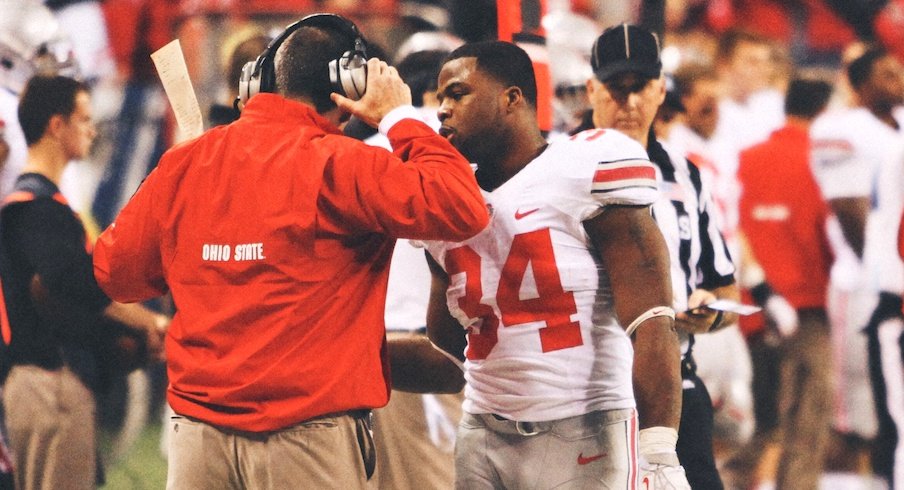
x,y
791,131
276,107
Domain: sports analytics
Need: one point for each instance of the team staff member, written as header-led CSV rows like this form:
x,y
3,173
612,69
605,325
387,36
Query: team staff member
x,y
274,235
52,300
564,298
786,232
625,94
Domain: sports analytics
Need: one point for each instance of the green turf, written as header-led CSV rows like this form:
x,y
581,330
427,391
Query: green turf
x,y
142,467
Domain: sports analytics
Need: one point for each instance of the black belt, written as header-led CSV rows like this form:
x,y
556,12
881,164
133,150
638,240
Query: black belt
x,y
525,428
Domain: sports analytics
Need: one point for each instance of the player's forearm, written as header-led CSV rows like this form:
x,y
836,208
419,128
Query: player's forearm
x,y
657,374
136,317
418,367
636,257
851,213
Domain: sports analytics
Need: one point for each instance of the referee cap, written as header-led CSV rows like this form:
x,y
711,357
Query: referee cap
x,y
625,48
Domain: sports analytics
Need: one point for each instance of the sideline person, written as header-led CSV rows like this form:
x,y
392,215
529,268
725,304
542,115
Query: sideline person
x,y
274,236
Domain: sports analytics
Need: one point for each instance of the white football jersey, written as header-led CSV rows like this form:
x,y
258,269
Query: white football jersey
x,y
854,154
543,340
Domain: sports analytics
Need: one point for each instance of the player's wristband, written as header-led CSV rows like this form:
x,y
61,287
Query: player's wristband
x,y
651,313
761,293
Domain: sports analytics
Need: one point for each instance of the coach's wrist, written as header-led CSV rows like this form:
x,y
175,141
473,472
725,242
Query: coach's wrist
x,y
394,116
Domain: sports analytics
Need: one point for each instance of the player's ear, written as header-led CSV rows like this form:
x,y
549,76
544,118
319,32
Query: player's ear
x,y
513,96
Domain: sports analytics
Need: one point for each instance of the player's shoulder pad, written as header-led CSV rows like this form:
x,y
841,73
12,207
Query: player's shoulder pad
x,y
607,143
614,168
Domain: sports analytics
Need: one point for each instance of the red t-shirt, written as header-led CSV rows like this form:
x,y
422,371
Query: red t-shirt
x,y
783,216
274,235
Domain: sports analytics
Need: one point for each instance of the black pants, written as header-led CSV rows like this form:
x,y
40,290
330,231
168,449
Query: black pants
x,y
695,435
887,439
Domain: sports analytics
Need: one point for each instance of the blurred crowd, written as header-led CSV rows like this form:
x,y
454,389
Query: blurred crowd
x,y
728,64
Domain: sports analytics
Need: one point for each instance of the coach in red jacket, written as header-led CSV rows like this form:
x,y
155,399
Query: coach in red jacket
x,y
274,235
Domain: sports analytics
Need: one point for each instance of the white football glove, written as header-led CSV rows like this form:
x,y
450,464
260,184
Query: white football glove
x,y
782,314
777,309
662,472
659,465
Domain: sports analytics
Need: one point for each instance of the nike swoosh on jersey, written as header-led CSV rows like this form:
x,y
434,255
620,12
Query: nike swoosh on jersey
x,y
519,214
582,460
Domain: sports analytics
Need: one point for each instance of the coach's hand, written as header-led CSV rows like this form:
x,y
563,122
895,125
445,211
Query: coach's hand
x,y
385,91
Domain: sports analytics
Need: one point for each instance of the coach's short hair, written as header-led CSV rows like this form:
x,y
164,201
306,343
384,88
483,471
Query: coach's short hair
x,y
503,61
43,98
302,63
807,98
859,71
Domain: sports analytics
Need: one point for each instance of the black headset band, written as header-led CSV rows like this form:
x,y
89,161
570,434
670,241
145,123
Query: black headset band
x,y
319,20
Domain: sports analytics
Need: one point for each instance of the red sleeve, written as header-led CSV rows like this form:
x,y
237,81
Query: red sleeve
x,y
430,195
127,259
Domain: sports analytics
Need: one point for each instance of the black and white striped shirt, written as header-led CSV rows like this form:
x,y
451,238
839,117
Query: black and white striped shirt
x,y
684,212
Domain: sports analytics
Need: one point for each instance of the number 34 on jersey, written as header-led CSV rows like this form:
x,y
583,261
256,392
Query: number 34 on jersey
x,y
531,251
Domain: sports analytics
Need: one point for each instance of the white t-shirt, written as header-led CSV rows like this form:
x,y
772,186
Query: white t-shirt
x,y
544,342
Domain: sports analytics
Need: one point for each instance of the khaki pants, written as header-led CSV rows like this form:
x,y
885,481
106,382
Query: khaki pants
x,y
805,402
415,439
327,452
50,418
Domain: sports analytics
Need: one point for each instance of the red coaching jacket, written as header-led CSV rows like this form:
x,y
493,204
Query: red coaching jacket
x,y
783,214
274,235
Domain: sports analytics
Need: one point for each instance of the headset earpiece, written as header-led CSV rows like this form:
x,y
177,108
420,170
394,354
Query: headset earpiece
x,y
348,73
249,84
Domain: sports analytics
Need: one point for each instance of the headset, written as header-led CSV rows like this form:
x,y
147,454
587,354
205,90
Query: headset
x,y
348,73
